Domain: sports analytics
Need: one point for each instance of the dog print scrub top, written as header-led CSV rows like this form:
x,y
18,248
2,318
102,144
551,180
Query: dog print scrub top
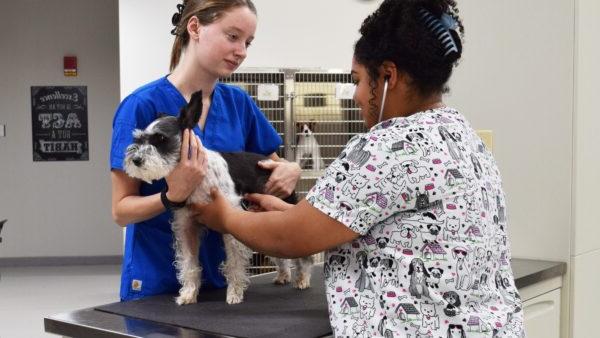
x,y
433,258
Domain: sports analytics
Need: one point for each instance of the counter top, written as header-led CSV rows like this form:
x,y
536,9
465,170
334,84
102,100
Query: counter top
x,y
92,323
529,271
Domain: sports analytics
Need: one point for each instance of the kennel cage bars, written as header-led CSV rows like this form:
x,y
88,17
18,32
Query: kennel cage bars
x,y
291,98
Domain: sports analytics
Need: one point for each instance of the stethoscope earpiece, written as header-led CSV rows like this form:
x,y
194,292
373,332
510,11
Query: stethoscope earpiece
x,y
385,87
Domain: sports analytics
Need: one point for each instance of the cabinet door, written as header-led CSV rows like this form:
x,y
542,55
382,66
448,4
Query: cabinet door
x,y
542,315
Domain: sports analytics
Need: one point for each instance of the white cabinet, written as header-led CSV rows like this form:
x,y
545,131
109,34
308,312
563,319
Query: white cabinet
x,y
542,315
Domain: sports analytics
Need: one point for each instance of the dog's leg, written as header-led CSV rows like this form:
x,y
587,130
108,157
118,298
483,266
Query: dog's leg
x,y
187,244
303,272
235,269
299,155
318,163
284,273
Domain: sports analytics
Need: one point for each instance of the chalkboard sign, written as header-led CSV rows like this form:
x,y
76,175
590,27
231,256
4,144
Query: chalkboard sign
x,y
59,123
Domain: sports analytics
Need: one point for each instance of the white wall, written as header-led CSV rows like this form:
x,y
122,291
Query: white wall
x,y
586,245
516,79
309,33
57,208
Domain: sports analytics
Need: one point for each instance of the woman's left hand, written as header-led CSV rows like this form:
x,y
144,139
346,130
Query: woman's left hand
x,y
283,179
215,213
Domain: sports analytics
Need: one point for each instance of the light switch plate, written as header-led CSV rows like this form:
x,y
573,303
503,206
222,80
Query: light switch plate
x,y
488,138
2,130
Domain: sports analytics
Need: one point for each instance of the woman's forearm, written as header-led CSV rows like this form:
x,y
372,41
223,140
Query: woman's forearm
x,y
132,209
268,232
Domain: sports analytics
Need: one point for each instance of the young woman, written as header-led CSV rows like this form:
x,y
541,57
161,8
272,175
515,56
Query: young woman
x,y
212,38
412,213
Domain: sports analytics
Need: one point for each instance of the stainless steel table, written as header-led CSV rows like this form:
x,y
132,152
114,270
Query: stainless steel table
x,y
91,323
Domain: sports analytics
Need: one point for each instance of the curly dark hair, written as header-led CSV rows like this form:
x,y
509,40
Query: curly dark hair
x,y
395,32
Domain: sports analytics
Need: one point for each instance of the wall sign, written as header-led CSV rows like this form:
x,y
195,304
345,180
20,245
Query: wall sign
x,y
59,123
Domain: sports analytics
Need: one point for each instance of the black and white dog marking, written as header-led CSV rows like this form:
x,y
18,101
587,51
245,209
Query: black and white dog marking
x,y
155,152
308,149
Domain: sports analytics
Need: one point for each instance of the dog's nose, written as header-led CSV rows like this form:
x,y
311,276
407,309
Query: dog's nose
x,y
137,161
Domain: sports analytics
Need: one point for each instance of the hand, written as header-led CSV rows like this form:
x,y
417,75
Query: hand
x,y
267,202
283,179
191,169
215,213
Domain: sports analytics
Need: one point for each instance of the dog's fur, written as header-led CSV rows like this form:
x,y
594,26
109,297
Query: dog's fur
x,y
154,154
308,148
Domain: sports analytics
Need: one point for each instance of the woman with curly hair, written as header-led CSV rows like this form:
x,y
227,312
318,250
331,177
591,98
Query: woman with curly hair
x,y
419,177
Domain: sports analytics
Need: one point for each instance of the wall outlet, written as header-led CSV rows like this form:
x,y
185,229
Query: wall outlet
x,y
487,138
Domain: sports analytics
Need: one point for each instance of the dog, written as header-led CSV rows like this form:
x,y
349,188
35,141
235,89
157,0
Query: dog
x,y
308,148
418,278
430,319
434,280
155,152
415,173
405,236
389,272
337,265
463,270
453,306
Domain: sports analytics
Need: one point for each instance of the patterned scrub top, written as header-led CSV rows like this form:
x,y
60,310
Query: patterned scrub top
x,y
433,258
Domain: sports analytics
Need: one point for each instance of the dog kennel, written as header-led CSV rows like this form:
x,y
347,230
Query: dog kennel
x,y
292,98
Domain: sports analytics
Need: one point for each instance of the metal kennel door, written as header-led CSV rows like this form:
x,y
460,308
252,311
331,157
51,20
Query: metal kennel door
x,y
267,90
266,87
290,98
324,101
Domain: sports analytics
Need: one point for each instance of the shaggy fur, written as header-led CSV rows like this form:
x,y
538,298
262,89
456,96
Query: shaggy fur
x,y
154,154
308,149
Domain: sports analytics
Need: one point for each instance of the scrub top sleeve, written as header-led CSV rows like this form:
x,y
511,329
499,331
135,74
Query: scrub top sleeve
x,y
364,186
133,113
261,137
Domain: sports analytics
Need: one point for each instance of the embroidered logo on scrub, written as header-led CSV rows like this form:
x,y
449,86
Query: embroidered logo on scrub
x,y
136,285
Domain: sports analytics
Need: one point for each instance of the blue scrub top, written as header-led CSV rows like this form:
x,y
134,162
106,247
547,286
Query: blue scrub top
x,y
234,123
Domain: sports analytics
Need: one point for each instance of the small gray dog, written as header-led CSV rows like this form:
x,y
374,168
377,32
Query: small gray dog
x,y
155,152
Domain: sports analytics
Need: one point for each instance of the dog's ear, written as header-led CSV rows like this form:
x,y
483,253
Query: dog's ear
x,y
190,114
411,267
311,125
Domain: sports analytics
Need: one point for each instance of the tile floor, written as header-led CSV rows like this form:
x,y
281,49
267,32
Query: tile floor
x,y
28,294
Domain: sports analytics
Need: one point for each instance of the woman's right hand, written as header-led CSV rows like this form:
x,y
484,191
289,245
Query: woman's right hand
x,y
190,171
264,202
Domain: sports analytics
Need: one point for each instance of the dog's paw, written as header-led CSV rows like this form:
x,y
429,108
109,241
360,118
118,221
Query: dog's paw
x,y
234,297
302,283
185,298
282,278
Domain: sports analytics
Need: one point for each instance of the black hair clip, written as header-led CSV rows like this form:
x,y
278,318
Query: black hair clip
x,y
441,28
177,18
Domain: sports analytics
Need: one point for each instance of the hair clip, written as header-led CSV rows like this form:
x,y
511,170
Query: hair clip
x,y
176,18
441,28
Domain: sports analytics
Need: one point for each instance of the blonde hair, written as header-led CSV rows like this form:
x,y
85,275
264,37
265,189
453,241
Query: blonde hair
x,y
207,12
